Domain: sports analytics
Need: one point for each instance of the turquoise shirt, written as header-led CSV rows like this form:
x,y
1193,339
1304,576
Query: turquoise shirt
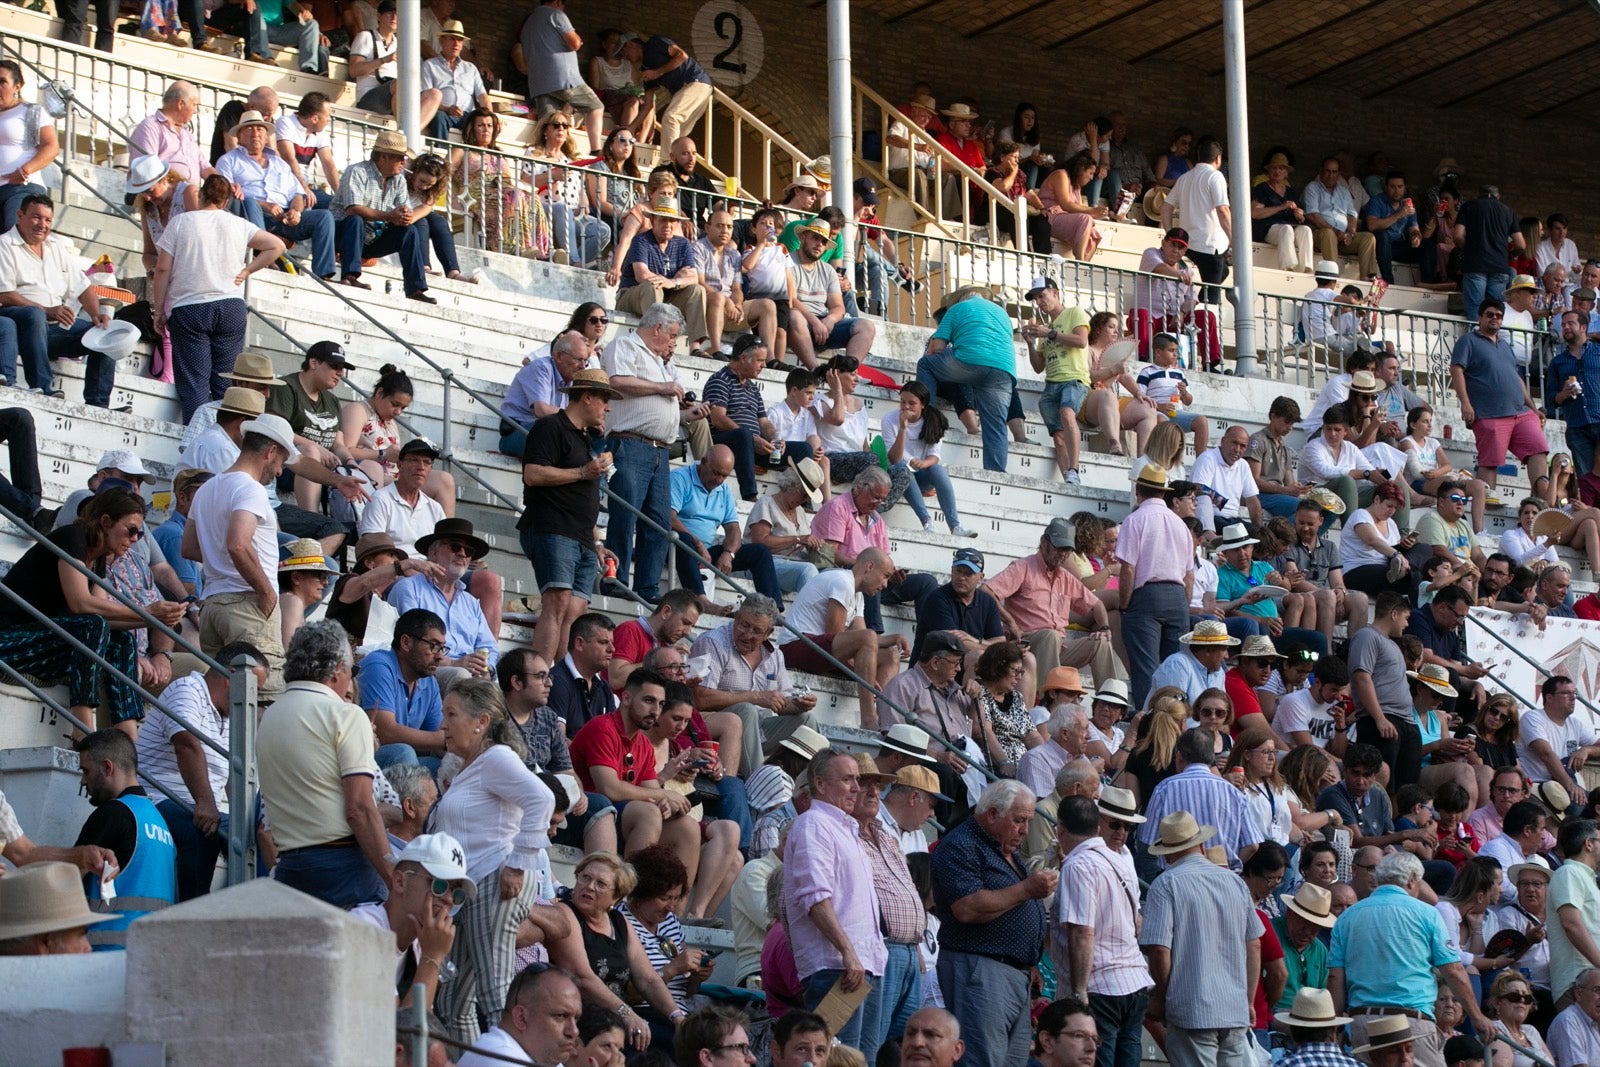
x,y
1233,584
1388,946
979,334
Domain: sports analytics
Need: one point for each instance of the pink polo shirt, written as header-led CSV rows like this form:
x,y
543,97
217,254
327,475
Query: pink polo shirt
x,y
1157,543
157,136
837,521
1036,598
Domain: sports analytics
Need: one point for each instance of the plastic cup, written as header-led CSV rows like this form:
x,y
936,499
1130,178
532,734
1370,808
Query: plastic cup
x,y
730,184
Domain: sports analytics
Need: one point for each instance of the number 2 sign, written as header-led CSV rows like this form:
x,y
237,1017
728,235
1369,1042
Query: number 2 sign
x,y
728,42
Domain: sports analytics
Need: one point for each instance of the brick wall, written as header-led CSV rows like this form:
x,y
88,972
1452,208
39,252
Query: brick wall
x,y
1534,163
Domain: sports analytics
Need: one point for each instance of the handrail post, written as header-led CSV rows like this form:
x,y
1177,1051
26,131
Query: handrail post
x,y
241,772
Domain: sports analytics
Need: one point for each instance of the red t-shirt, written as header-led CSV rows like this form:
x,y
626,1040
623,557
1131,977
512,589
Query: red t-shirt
x,y
1271,949
600,744
631,641
1245,701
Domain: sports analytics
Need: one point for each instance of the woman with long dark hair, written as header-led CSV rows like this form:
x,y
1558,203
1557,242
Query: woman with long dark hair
x,y
912,433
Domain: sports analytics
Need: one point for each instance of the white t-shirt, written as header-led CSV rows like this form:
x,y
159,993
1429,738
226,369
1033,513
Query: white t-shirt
x,y
915,448
213,508
1564,739
191,700
1519,327
1196,196
208,250
15,146
809,611
1299,711
791,425
1205,581
387,513
368,45
1353,551
376,915
848,436
498,1042
771,274
1235,483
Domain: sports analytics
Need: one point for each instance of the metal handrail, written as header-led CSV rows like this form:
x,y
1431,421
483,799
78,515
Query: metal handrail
x,y
1539,668
743,117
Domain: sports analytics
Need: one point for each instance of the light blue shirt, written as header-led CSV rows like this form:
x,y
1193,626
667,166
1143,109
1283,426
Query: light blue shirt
x,y
465,628
979,334
1184,671
1335,207
1388,946
383,689
534,384
459,86
701,511
272,184
169,538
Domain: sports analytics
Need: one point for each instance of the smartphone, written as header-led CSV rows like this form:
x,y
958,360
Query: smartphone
x,y
708,956
699,764
1464,732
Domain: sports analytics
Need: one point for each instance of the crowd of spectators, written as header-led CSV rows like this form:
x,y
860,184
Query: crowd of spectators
x,y
1342,828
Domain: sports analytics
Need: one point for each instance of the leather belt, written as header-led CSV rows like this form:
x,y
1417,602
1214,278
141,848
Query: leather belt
x,y
1389,1009
639,437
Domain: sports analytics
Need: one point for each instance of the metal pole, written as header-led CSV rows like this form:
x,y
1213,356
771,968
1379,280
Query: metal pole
x,y
241,772
409,97
1238,159
841,142
419,1019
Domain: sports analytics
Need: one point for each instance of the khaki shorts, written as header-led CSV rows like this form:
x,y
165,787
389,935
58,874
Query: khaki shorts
x,y
227,617
581,97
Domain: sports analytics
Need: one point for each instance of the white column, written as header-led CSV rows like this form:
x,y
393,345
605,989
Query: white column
x,y
841,141
1238,159
408,104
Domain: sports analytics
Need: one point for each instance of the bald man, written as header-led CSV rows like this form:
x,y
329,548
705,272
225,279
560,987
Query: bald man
x,y
705,517
933,1039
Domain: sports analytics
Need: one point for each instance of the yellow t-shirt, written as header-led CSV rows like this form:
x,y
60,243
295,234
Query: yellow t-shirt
x,y
310,740
1063,363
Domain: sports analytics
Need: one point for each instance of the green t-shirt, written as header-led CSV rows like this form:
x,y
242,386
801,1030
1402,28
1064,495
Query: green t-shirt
x,y
315,420
1308,968
1233,584
1457,536
1062,363
790,239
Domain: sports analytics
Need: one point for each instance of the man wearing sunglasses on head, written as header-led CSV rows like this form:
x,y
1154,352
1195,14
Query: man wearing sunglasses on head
x,y
429,883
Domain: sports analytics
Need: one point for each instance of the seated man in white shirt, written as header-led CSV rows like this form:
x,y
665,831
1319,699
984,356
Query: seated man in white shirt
x,y
273,197
403,511
457,81
1332,461
1223,472
418,916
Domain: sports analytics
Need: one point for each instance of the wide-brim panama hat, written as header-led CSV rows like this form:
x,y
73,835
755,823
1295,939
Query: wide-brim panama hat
x,y
1179,832
1313,903
1312,1009
45,898
1209,633
1384,1031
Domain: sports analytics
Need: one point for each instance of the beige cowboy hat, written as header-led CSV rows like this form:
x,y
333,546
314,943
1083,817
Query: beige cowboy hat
x,y
1326,499
391,142
1209,633
955,296
1313,1007
810,475
242,401
1384,1031
1363,381
805,181
45,898
822,167
1179,832
1152,476
925,102
1119,804
253,367
248,119
1435,677
870,775
305,554
1313,903
818,227
959,111
1523,281
664,206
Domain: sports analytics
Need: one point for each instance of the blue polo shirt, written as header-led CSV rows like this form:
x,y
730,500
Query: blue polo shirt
x,y
701,511
970,860
1580,410
1381,207
417,708
666,262
979,334
1389,945
1491,373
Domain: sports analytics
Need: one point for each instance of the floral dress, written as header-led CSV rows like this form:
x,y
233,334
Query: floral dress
x,y
513,220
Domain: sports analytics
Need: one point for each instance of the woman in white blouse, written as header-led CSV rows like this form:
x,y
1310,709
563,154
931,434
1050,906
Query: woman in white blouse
x,y
500,812
1372,552
780,521
1581,530
27,144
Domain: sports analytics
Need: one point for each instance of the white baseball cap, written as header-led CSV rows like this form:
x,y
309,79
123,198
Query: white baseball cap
x,y
124,460
441,856
276,429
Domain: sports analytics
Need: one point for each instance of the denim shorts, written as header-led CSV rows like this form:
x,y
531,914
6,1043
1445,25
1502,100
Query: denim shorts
x,y
561,563
1058,395
1184,419
839,336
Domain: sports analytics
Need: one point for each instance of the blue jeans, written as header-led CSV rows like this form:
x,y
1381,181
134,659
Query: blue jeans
x,y
338,876
639,476
304,36
910,591
992,388
8,355
444,246
893,998
1390,250
11,195
410,241
873,274
197,852
937,479
583,237
400,754
512,444
990,999
1156,616
317,227
741,441
1474,287
793,574
735,807
23,492
1582,441
40,340
817,986
1120,1022
1281,504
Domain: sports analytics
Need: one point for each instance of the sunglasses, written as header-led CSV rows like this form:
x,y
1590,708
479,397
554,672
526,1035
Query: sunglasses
x,y
1518,998
444,890
134,532
1457,498
1118,826
456,546
598,320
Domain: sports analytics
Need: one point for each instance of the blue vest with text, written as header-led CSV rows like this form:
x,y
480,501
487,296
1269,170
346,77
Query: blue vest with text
x,y
148,883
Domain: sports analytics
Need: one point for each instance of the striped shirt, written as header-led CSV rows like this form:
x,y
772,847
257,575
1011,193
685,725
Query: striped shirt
x,y
741,399
1095,891
191,699
661,946
1203,916
730,672
904,918
1212,801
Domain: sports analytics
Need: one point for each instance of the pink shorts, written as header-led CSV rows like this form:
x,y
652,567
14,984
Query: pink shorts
x,y
1521,435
